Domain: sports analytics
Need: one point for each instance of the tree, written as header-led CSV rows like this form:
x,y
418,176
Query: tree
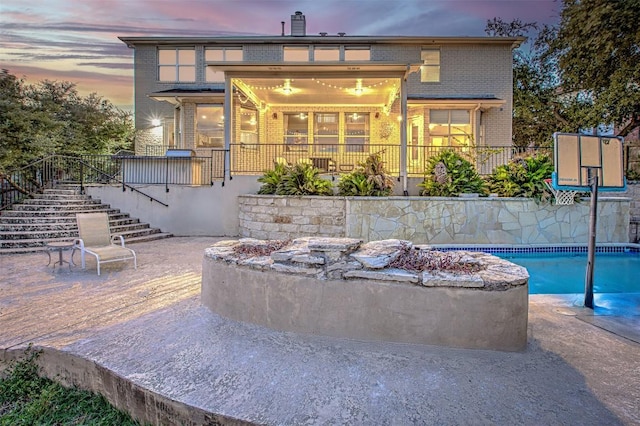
x,y
52,118
539,108
597,47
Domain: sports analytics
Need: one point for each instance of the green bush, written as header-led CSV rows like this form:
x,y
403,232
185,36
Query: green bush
x,y
523,177
303,179
448,174
26,398
271,179
368,179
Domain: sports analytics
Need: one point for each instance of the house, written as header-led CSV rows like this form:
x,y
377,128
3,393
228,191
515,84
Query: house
x,y
329,99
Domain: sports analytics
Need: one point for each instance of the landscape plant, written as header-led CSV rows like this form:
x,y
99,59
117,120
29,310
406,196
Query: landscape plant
x,y
368,179
26,398
271,179
523,177
448,174
298,179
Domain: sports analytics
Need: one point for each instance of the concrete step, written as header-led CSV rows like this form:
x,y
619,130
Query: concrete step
x,y
51,216
71,232
17,224
61,202
56,213
39,244
66,207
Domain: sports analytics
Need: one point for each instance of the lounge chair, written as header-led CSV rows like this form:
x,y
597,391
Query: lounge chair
x,y
96,239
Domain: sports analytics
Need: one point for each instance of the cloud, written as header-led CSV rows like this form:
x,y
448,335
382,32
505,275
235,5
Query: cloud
x,y
77,40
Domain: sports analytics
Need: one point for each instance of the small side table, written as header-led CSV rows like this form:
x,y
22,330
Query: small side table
x,y
60,246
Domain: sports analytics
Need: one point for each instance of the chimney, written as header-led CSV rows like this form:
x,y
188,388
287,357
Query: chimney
x,y
298,25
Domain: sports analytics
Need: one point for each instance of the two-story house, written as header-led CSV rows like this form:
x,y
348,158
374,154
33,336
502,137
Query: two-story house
x,y
329,99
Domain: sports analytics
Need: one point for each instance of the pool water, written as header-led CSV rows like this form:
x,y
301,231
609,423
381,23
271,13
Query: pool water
x,y
562,273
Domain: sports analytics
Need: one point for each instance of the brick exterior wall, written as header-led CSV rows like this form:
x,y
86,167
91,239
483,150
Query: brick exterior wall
x,y
467,70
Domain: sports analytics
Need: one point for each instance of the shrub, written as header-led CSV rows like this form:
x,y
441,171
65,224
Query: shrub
x,y
449,174
271,179
303,179
368,179
523,177
299,179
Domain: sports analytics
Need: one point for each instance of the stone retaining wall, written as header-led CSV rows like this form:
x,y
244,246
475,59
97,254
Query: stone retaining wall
x,y
341,288
633,192
433,220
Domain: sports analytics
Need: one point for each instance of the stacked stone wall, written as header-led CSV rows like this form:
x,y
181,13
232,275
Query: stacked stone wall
x,y
280,217
433,220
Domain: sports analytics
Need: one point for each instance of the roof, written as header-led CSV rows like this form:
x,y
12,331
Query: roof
x,y
328,40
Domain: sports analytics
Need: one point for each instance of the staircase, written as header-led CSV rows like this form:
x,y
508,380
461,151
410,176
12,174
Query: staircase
x,y
51,216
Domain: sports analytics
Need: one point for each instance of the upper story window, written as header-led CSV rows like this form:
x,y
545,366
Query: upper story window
x,y
326,53
357,53
221,54
296,53
177,64
430,69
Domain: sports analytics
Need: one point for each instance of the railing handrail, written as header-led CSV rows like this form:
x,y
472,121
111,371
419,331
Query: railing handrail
x,y
124,185
41,166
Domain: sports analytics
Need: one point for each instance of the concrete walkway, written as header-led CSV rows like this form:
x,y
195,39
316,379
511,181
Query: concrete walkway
x,y
142,338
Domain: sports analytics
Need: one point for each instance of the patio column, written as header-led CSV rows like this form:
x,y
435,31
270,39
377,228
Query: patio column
x,y
403,135
228,108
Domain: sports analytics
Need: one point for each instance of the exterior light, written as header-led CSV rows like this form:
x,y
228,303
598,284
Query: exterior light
x,y
156,122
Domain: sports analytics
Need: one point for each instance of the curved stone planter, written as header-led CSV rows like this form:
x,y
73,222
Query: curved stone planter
x,y
487,311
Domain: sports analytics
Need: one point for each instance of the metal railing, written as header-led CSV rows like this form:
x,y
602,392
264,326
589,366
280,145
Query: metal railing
x,y
240,159
336,159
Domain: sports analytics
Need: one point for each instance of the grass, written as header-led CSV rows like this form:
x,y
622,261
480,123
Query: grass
x,y
26,398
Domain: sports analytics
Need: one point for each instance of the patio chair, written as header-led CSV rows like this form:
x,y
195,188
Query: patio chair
x,y
95,238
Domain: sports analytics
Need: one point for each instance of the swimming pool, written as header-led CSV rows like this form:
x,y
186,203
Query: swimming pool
x,y
562,269
562,273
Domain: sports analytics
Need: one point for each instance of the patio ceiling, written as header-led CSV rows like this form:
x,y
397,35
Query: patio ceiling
x,y
320,91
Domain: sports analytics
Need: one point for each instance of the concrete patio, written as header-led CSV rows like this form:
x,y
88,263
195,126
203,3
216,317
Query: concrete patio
x,y
143,339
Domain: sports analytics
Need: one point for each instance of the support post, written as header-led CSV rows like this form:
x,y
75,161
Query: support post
x,y
588,285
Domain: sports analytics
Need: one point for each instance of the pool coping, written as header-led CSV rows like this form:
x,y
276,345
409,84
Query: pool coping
x,y
537,248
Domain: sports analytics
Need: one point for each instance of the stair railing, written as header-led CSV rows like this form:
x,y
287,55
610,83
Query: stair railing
x,y
26,181
102,176
44,173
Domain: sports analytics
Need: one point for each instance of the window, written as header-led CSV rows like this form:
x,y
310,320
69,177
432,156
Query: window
x,y
430,69
296,131
326,53
326,132
296,54
450,127
168,132
357,53
221,54
356,135
248,127
177,64
209,126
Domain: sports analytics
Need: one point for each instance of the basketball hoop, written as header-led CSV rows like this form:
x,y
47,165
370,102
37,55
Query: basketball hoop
x,y
563,198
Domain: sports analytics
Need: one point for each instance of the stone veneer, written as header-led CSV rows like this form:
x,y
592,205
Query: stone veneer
x,y
432,220
340,287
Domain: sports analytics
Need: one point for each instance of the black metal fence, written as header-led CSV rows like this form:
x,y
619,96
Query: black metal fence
x,y
336,159
212,165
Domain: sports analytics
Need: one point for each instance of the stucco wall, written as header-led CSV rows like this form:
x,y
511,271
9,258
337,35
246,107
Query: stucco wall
x,y
367,309
192,211
437,220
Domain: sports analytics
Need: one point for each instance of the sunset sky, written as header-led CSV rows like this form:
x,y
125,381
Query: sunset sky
x,y
77,41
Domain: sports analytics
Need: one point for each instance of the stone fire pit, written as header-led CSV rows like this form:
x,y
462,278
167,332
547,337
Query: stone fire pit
x,y
343,288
